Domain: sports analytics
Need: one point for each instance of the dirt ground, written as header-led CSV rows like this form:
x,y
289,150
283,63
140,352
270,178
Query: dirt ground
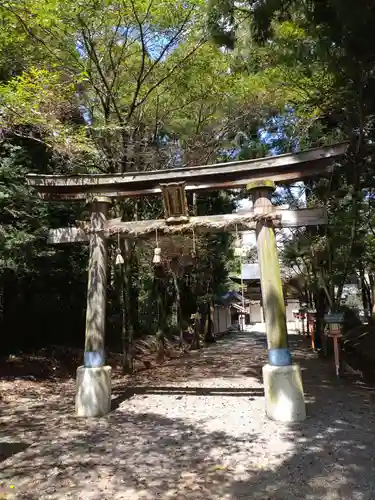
x,y
191,429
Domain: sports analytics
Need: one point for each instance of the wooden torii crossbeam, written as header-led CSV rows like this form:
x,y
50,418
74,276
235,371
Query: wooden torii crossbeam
x,y
142,229
283,168
281,377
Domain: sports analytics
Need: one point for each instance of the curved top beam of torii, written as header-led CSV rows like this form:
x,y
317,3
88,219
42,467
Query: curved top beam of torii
x,y
282,168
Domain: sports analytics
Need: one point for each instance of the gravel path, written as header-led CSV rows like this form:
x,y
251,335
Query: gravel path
x,y
193,429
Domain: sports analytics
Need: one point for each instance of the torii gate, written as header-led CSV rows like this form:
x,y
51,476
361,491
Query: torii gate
x,y
282,379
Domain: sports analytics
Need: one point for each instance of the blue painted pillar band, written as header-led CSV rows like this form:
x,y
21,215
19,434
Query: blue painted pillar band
x,y
279,357
93,359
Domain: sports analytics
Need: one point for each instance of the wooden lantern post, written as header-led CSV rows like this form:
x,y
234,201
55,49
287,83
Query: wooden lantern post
x,y
311,327
334,323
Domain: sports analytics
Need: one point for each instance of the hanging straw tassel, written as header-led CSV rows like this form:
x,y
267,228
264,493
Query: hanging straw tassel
x,y
157,256
157,251
119,257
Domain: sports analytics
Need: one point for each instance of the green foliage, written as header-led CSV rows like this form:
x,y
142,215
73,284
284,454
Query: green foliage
x,y
22,214
108,93
220,21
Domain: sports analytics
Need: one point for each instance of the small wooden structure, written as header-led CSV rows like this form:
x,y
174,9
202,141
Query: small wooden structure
x,y
311,326
251,279
259,176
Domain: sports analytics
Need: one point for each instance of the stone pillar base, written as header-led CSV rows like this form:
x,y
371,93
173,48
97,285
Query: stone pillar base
x,y
93,391
284,393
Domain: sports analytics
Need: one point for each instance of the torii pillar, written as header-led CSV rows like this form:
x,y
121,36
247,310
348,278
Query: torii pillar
x,y
282,379
93,394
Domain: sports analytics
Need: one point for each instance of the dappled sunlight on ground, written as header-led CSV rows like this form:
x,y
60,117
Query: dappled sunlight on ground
x,y
191,429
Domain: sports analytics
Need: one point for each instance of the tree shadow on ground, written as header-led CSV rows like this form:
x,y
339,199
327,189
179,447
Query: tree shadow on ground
x,y
150,455
157,458
8,449
129,392
332,450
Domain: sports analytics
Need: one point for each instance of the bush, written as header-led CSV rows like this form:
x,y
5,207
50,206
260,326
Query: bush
x,y
351,319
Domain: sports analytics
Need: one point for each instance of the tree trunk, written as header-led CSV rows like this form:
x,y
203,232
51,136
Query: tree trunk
x,y
372,296
369,300
127,333
365,293
160,339
197,329
209,324
204,322
160,300
321,307
371,287
134,296
177,309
